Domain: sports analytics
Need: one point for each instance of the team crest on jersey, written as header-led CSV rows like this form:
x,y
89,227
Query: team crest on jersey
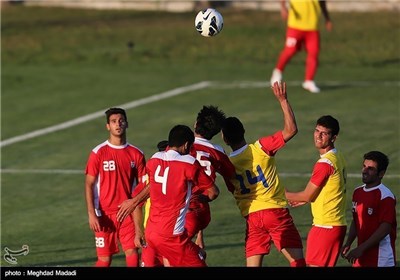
x,y
370,211
132,164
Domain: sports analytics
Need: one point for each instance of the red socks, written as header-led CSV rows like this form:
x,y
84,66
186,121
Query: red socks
x,y
298,263
132,260
101,263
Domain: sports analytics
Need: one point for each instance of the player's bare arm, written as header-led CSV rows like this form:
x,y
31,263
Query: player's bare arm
x,y
93,219
290,125
128,206
309,194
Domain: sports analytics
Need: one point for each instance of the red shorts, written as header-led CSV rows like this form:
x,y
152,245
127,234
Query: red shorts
x,y
323,245
180,251
296,38
113,232
150,258
270,225
197,219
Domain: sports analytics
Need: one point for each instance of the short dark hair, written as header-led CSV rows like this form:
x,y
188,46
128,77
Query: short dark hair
x,y
330,123
162,145
380,158
233,130
113,111
209,121
179,135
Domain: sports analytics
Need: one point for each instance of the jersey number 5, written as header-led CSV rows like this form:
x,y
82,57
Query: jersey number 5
x,y
205,163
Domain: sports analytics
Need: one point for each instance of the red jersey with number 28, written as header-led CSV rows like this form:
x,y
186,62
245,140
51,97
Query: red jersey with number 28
x,y
118,170
172,177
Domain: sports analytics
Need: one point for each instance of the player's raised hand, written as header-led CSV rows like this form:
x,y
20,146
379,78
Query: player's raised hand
x,y
279,90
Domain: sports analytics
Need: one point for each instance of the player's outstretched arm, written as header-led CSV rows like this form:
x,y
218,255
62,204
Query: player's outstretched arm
x,y
290,125
128,206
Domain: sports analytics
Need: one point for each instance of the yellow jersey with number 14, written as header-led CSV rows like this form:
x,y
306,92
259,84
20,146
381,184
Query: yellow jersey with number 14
x,y
257,184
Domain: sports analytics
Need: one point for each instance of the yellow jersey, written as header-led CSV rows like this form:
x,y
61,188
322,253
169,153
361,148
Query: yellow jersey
x,y
304,15
257,184
329,208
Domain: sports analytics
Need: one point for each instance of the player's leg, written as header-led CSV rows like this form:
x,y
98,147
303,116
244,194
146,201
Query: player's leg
x,y
178,251
285,235
257,239
126,233
103,261
292,46
294,256
312,47
323,245
150,258
106,242
132,257
254,261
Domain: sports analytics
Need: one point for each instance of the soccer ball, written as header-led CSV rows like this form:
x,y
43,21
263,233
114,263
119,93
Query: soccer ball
x,y
209,22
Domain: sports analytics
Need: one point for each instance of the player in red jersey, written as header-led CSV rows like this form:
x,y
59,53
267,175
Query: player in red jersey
x,y
214,160
374,217
114,168
172,175
149,257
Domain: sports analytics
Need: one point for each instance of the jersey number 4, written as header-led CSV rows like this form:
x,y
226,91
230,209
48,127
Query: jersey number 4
x,y
162,179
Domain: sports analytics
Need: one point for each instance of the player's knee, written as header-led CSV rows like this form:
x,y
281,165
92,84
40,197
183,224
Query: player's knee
x,y
103,263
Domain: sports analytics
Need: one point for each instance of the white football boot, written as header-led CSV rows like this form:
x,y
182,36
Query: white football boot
x,y
276,76
311,86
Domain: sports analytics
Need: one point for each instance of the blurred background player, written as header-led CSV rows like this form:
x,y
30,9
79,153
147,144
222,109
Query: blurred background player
x,y
302,31
113,170
258,190
326,191
374,217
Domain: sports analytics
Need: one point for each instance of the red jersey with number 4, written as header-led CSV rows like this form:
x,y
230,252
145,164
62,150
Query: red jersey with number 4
x,y
172,177
118,170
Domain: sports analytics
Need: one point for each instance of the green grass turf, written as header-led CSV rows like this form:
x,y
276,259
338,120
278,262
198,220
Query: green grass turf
x,y
61,64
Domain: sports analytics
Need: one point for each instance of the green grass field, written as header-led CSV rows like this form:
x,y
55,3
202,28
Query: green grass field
x,y
62,64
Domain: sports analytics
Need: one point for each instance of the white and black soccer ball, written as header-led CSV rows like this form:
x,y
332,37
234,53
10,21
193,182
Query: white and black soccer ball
x,y
209,22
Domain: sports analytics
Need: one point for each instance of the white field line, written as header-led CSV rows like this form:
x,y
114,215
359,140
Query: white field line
x,y
160,96
171,93
130,105
81,172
